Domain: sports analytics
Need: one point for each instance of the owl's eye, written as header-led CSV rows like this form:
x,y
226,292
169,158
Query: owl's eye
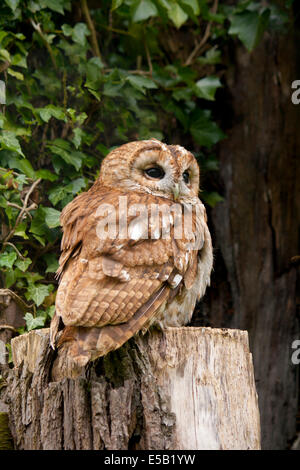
x,y
155,172
186,177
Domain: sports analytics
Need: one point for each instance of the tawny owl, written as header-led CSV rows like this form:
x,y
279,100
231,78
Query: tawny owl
x,y
136,250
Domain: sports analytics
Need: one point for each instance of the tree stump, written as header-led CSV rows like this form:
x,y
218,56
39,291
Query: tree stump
x,y
180,388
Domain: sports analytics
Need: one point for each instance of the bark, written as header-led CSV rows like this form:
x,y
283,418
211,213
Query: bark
x,y
11,317
257,226
182,388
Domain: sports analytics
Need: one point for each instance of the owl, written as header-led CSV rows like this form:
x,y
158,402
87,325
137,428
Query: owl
x,y
136,251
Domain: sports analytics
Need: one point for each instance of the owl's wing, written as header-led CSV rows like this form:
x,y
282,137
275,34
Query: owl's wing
x,y
200,265
116,284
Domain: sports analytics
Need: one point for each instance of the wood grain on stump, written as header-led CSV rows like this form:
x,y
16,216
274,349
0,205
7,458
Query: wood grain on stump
x,y
181,388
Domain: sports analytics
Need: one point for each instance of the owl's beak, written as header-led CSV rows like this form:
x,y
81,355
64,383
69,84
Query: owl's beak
x,y
176,191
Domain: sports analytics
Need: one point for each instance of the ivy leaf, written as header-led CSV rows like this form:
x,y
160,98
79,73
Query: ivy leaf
x,y
52,262
55,5
7,259
212,56
93,92
40,239
21,180
19,60
14,73
97,62
3,34
46,175
5,54
38,292
23,264
142,10
23,165
116,4
18,130
177,15
249,27
141,83
206,87
104,150
34,322
79,33
12,4
112,89
57,194
76,185
10,278
38,226
50,311
51,217
20,36
3,202
193,4
20,231
78,134
9,141
62,148
205,131
51,111
67,29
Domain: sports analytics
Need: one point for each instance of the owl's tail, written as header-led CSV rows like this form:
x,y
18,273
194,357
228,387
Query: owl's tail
x,y
78,345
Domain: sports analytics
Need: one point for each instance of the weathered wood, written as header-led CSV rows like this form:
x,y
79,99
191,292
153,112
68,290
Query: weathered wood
x,y
181,388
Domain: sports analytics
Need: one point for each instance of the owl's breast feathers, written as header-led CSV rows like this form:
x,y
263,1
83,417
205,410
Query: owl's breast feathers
x,y
111,288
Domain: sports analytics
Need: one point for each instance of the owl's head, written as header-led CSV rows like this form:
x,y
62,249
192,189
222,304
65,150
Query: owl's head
x,y
150,166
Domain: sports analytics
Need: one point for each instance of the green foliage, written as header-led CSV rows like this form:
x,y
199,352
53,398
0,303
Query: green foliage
x,y
145,68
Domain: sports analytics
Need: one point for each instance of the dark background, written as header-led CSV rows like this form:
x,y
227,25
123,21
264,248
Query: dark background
x,y
256,229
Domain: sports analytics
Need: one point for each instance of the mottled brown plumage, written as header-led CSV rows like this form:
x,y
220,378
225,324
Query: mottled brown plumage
x,y
112,288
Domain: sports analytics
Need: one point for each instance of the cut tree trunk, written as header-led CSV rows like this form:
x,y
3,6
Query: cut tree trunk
x,y
181,388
